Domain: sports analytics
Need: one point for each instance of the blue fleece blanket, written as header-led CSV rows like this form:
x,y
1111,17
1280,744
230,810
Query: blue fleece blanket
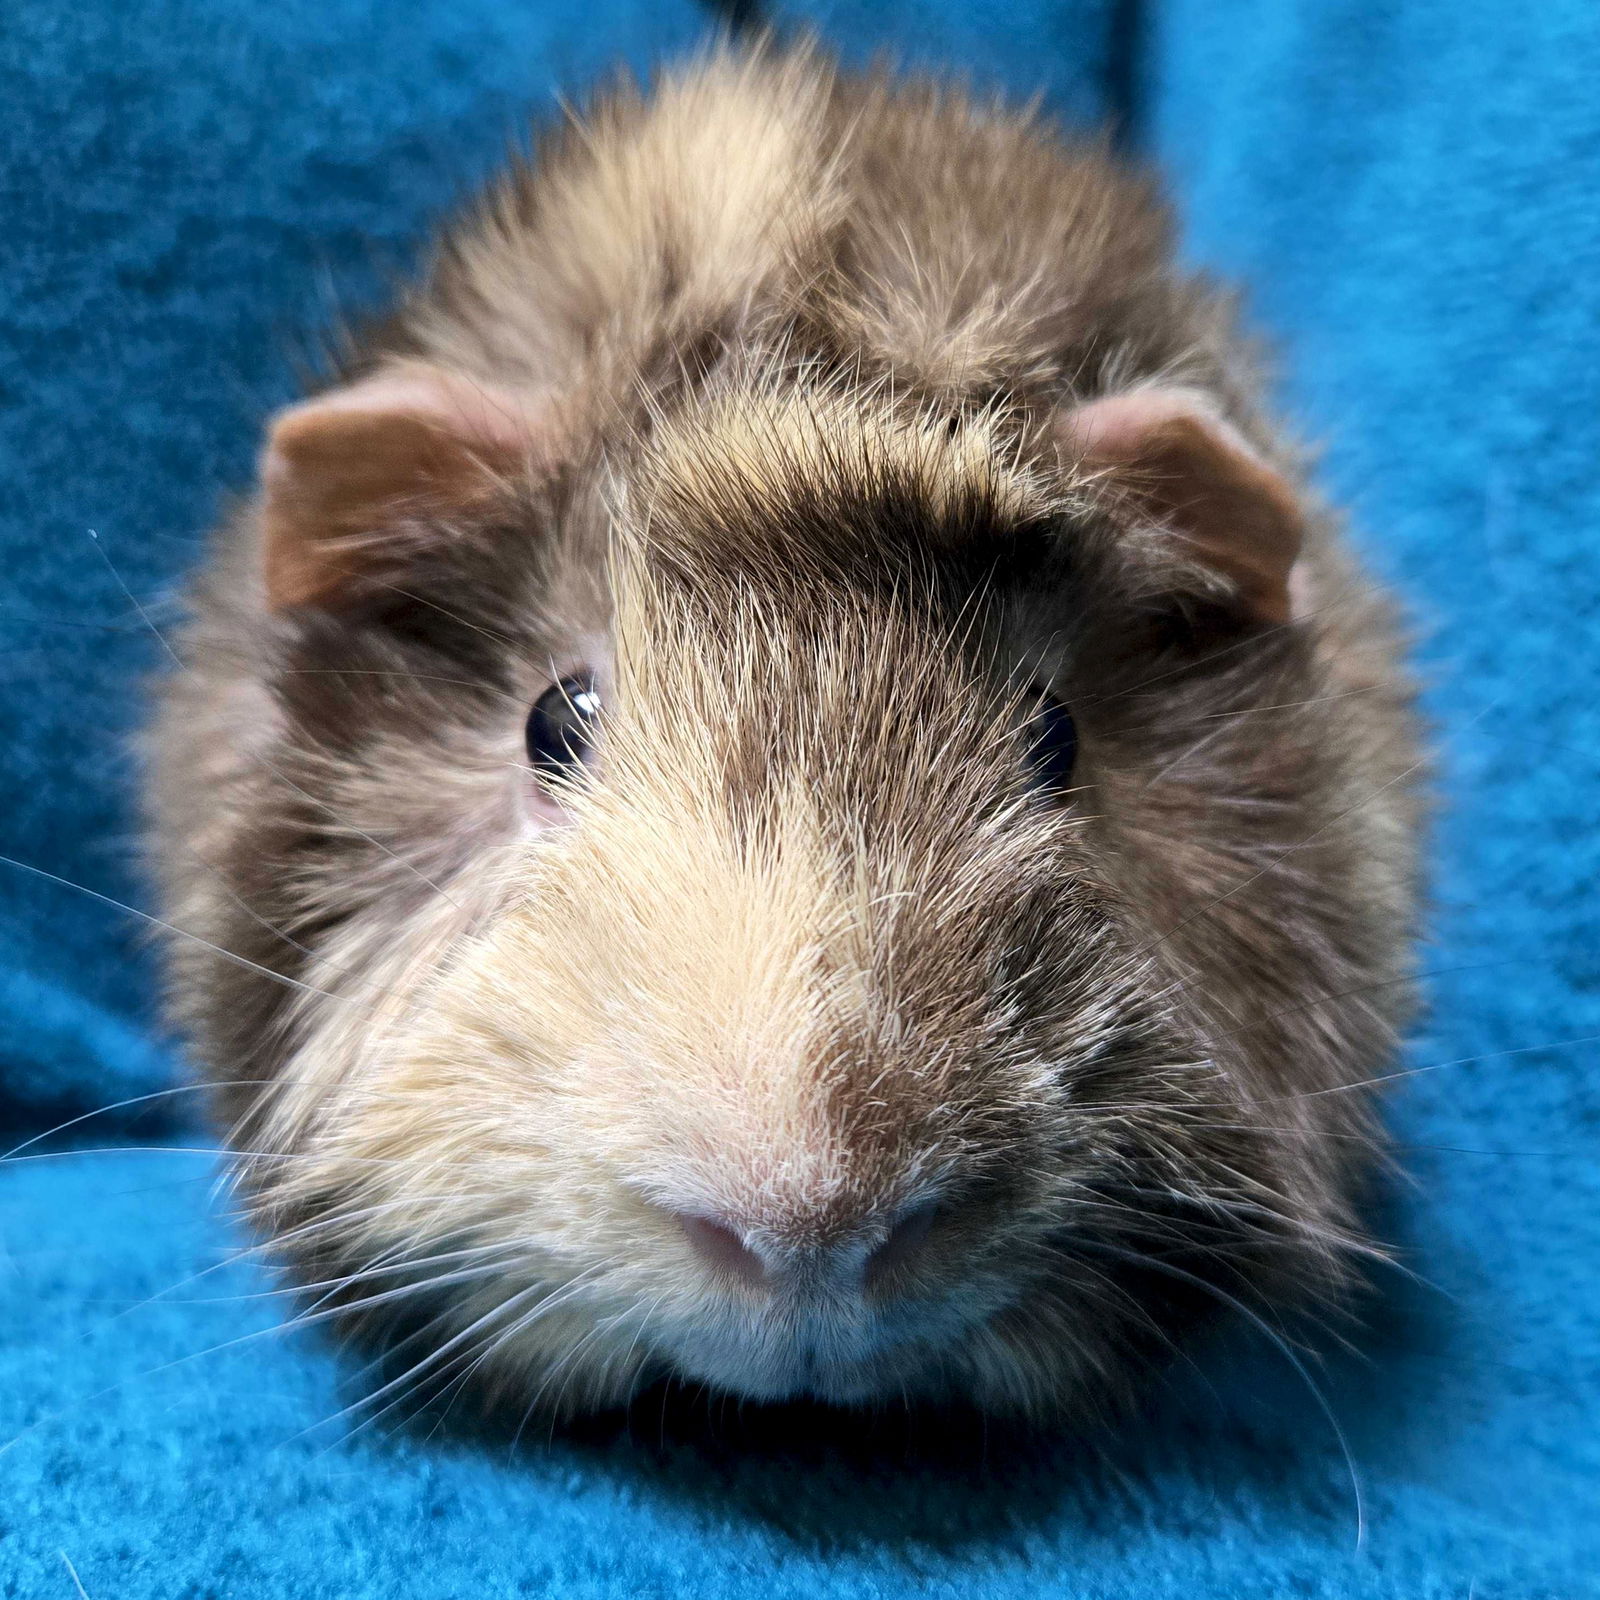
x,y
1413,192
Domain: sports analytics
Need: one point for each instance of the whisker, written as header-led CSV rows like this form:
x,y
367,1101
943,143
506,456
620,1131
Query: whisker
x,y
1380,1141
441,1351
256,755
1367,988
282,1081
1289,1355
1439,1066
1351,595
322,1311
444,611
265,1156
69,622
1284,856
410,677
1294,705
172,928
275,1328
1209,738
379,1268
72,1572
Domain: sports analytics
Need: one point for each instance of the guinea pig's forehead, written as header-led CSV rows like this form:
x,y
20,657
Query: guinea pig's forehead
x,y
794,489
887,547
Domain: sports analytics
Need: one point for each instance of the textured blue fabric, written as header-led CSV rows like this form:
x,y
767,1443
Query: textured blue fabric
x,y
1413,192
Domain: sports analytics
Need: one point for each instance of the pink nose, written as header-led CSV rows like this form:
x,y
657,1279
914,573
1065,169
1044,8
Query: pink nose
x,y
721,1248
751,1256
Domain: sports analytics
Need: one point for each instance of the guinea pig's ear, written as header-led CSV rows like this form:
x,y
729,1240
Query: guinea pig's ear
x,y
344,475
1183,470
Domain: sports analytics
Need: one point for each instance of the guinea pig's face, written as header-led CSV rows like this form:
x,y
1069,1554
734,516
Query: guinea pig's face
x,y
741,910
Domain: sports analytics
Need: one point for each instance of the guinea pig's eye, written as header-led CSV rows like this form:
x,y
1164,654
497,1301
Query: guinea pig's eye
x,y
1053,744
562,728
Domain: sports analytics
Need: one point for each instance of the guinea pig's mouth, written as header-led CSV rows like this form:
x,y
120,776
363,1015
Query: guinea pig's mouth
x,y
840,1354
801,1371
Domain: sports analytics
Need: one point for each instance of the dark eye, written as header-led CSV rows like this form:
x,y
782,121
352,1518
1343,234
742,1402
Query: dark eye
x,y
562,728
1053,744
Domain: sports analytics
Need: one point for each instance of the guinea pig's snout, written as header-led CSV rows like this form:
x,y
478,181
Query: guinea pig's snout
x,y
724,1249
861,1262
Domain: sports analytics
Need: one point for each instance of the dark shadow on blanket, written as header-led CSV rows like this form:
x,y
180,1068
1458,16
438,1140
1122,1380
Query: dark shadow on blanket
x,y
1233,1420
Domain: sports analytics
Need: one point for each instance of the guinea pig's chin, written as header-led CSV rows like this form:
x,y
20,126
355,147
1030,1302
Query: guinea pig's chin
x,y
799,1374
842,1363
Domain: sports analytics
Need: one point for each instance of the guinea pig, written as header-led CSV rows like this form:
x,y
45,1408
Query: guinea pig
x,y
783,784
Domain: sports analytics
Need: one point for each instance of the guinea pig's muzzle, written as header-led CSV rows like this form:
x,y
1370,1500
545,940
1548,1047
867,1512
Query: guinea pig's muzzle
x,y
764,1259
801,1314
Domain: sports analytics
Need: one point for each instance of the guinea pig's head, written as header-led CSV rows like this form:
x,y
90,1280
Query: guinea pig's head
x,y
789,904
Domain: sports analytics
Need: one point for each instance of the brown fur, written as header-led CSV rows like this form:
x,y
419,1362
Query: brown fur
x,y
792,380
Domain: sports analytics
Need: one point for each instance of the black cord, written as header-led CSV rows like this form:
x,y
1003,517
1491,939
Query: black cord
x,y
741,18
1124,52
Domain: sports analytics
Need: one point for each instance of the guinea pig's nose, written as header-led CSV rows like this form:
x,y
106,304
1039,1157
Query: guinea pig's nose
x,y
719,1246
761,1257
901,1244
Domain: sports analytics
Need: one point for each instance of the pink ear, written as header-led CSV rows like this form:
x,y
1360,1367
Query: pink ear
x,y
341,469
1185,468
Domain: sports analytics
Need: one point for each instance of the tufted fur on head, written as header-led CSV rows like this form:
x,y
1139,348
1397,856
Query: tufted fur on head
x,y
806,1042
